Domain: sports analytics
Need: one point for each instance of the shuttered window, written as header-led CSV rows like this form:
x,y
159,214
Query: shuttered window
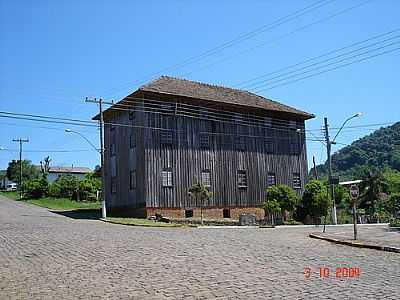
x,y
166,137
132,180
204,141
113,185
240,143
132,140
166,177
206,178
294,148
271,179
269,146
241,178
296,181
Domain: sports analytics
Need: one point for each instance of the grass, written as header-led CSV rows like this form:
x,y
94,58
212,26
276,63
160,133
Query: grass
x,y
140,222
54,203
63,203
11,195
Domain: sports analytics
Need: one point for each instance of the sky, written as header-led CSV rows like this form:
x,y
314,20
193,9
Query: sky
x,y
53,54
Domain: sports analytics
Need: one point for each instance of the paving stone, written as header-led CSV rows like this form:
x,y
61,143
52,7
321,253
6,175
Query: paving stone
x,y
49,256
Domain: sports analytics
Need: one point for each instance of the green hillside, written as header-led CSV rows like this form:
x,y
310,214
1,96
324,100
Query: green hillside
x,y
377,151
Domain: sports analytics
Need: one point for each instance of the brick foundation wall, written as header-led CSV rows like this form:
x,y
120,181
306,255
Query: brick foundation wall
x,y
208,213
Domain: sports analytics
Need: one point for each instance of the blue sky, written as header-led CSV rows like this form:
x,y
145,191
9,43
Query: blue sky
x,y
55,53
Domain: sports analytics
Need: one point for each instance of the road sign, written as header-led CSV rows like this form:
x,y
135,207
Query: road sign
x,y
354,192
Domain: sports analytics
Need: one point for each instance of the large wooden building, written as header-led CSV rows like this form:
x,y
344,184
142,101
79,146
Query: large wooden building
x,y
172,133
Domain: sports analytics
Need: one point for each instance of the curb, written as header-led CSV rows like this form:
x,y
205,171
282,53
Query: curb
x,y
355,243
147,226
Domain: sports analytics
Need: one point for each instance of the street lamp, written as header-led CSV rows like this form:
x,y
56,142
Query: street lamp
x,y
100,151
329,144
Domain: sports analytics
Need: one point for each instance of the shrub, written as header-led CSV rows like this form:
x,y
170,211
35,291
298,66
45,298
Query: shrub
x,y
284,195
36,188
88,188
315,199
64,187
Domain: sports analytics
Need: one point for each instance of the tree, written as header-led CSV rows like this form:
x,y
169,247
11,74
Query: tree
x,y
29,171
371,187
45,165
200,193
315,199
286,197
272,207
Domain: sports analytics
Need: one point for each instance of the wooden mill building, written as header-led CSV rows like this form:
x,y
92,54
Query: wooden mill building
x,y
172,133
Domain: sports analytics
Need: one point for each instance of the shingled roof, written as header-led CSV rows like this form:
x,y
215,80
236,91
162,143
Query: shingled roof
x,y
198,90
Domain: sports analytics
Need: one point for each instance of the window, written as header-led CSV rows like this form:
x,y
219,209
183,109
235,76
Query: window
x,y
226,213
166,137
271,179
267,122
294,148
241,179
131,115
113,185
132,140
112,149
167,108
240,143
296,181
188,213
132,180
269,146
206,178
293,125
166,177
204,141
203,113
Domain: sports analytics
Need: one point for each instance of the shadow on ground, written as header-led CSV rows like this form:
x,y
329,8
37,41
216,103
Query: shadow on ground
x,y
87,214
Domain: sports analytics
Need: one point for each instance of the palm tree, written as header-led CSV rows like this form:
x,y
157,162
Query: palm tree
x,y
200,193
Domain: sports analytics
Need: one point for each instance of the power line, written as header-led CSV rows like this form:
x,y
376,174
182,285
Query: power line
x,y
240,38
317,57
293,74
279,37
329,70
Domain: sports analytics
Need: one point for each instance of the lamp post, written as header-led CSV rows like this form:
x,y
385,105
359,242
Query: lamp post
x,y
329,144
100,151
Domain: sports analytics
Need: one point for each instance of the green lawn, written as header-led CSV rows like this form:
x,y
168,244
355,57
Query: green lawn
x,y
11,195
63,203
140,222
55,203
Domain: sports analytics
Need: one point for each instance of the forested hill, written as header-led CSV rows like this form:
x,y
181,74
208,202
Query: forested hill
x,y
379,150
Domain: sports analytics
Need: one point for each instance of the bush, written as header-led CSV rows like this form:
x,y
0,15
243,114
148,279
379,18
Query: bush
x,y
395,223
64,187
36,188
284,195
88,188
315,199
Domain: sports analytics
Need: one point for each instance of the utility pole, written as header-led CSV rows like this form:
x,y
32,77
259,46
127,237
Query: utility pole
x,y
103,195
20,141
329,159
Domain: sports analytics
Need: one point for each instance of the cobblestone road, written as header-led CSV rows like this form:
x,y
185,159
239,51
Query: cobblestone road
x,y
49,256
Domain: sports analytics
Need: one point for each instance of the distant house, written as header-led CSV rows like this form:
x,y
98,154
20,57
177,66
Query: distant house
x,y
5,182
79,172
172,133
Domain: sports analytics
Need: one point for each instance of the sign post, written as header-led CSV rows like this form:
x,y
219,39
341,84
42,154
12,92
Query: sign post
x,y
354,193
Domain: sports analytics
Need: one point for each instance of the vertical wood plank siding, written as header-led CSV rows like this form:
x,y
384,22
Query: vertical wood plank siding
x,y
187,159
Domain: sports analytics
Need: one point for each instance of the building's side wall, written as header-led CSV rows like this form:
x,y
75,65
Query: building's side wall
x,y
119,163
187,159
